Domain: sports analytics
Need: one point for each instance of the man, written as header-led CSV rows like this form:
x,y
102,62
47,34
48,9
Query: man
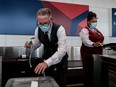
x,y
53,37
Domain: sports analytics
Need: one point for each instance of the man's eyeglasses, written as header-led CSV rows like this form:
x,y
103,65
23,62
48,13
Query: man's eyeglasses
x,y
42,24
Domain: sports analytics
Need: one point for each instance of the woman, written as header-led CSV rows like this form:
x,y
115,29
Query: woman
x,y
92,40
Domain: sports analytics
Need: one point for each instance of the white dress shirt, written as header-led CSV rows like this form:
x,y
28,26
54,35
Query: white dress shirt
x,y
84,35
61,51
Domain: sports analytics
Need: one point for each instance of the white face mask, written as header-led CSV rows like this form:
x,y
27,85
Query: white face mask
x,y
93,25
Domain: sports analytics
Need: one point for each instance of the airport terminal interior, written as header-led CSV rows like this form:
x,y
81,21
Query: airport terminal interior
x,y
18,23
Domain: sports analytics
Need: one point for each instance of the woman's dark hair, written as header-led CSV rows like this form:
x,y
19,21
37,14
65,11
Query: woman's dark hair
x,y
91,15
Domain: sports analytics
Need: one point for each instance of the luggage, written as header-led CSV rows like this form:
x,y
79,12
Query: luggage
x,y
46,81
19,67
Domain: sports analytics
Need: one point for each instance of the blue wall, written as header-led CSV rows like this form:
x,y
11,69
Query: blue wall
x,y
18,16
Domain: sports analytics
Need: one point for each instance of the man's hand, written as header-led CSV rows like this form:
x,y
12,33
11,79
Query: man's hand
x,y
40,68
27,44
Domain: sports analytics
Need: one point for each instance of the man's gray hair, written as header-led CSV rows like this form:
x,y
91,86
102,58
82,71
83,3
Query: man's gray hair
x,y
44,11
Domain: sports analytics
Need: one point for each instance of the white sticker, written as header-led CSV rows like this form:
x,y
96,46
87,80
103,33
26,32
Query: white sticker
x,y
34,84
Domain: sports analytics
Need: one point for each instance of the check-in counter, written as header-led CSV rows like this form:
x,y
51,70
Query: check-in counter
x,y
105,67
74,74
104,70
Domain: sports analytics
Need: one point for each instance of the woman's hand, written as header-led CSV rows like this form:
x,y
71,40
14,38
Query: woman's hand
x,y
97,44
